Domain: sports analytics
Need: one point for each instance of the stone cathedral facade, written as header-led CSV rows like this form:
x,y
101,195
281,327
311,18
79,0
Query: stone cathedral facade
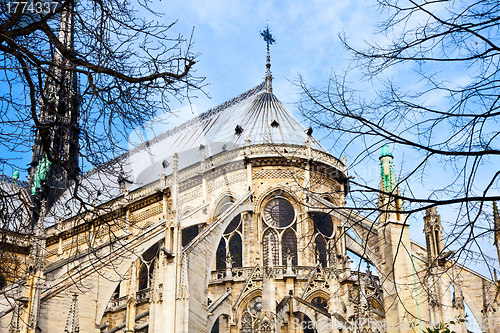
x,y
235,222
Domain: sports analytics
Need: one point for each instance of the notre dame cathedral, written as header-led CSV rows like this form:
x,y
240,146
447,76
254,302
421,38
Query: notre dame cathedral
x,y
235,222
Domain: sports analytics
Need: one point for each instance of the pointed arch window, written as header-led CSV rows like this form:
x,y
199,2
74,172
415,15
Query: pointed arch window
x,y
321,250
270,247
289,243
235,250
220,259
143,277
230,243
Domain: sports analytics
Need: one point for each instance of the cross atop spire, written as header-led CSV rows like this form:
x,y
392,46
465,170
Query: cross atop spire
x,y
268,38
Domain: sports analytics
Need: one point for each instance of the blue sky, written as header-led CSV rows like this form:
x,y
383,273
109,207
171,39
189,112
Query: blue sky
x,y
232,57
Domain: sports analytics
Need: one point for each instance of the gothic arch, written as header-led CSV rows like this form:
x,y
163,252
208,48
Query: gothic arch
x,y
289,242
236,249
243,304
223,309
220,256
316,293
268,195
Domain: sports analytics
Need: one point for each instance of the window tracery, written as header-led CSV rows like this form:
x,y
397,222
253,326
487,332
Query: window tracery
x,y
279,213
320,303
323,223
279,238
230,244
324,232
270,247
252,310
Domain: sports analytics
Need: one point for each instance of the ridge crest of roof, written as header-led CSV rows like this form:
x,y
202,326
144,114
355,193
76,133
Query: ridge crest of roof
x,y
201,117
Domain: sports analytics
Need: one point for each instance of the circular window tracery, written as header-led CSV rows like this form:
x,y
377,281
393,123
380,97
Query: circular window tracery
x,y
279,213
320,303
251,312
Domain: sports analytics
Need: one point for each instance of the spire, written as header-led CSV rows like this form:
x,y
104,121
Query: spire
x,y
268,38
57,137
72,324
433,230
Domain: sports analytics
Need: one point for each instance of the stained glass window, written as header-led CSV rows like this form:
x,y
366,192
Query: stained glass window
x,y
253,309
235,250
220,259
270,243
255,306
188,234
279,213
143,277
323,223
321,250
233,225
289,242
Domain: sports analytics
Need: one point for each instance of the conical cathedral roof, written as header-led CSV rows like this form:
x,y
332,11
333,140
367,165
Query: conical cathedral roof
x,y
256,115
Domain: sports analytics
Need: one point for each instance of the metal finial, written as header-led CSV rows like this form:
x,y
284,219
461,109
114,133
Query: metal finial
x,y
268,38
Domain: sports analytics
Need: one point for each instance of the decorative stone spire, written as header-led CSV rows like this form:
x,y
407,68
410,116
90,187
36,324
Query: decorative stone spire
x,y
58,134
268,38
433,235
72,324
